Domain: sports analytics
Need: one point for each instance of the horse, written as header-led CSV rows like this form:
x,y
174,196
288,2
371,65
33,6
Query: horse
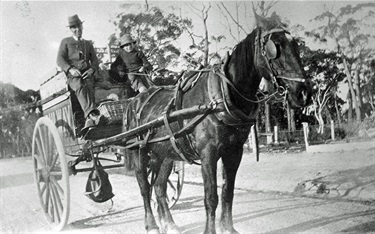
x,y
227,96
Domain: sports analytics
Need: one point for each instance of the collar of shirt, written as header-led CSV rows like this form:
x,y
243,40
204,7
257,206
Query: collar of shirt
x,y
76,38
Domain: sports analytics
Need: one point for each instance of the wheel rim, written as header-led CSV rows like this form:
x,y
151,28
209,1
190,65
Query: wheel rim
x,y
51,173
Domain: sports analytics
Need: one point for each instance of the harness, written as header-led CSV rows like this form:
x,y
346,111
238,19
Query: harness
x,y
220,103
267,46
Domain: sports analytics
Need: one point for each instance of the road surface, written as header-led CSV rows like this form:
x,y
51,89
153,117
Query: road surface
x,y
256,210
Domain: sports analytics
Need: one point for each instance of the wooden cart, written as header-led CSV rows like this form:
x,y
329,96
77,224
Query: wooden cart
x,y
57,148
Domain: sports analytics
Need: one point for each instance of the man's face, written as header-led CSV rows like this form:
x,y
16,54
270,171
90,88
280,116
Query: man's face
x,y
77,30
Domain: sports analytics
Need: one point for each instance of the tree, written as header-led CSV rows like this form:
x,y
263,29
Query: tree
x,y
155,31
324,71
350,33
203,44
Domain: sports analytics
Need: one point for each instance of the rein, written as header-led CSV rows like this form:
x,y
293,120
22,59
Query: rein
x,y
273,73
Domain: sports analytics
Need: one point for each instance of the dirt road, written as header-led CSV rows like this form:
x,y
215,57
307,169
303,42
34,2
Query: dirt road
x,y
270,197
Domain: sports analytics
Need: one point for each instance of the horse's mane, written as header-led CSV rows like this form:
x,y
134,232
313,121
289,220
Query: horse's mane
x,y
243,54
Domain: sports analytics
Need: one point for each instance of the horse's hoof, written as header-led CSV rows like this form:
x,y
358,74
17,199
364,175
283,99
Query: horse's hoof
x,y
173,231
230,232
153,231
224,230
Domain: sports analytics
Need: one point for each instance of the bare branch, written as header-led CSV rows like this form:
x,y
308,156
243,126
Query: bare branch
x,y
233,19
147,6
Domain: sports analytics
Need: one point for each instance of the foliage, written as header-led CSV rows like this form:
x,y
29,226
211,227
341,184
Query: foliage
x,y
315,137
16,119
351,29
155,32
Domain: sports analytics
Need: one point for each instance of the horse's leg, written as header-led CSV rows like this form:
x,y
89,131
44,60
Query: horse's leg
x,y
140,162
209,164
166,221
231,163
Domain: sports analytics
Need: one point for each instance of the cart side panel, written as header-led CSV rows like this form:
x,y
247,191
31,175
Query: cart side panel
x,y
61,114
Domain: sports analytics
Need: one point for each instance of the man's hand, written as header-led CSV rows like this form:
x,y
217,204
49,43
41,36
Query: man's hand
x,y
75,72
88,73
141,69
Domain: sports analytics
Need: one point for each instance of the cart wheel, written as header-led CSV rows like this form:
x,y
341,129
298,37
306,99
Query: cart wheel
x,y
174,184
51,173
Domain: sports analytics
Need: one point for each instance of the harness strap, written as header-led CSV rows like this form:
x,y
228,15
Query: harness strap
x,y
171,135
138,116
226,80
146,139
219,93
182,132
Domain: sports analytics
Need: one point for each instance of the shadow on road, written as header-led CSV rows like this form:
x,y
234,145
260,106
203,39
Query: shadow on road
x,y
353,183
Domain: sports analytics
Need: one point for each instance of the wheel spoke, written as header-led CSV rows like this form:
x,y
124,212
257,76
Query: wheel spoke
x,y
56,173
47,198
51,149
42,148
51,210
55,157
39,160
56,203
48,144
43,188
57,185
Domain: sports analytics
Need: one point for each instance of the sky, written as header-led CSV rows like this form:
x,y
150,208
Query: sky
x,y
31,31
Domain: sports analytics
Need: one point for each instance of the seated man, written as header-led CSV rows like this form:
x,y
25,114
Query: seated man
x,y
77,58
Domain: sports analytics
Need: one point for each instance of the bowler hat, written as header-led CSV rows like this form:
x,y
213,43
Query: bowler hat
x,y
74,20
125,39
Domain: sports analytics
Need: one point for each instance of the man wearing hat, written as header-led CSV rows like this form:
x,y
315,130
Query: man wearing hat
x,y
131,62
77,58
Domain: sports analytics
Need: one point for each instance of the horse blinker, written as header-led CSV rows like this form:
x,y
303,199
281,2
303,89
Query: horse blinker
x,y
271,50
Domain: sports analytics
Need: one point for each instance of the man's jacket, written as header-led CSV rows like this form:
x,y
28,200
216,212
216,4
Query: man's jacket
x,y
79,54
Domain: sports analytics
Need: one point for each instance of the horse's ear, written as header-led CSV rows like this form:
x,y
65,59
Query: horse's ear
x,y
259,20
275,18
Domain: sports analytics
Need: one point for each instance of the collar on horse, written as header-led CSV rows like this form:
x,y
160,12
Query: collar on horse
x,y
218,92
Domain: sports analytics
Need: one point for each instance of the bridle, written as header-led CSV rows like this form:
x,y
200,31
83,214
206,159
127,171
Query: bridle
x,y
269,51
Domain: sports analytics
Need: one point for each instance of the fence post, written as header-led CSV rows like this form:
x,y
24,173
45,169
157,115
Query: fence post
x,y
332,130
306,134
276,132
109,53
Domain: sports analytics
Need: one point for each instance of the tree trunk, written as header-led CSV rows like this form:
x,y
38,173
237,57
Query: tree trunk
x,y
369,94
327,114
289,118
206,43
338,114
350,108
351,89
319,117
357,89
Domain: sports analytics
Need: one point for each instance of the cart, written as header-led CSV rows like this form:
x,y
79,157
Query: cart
x,y
57,147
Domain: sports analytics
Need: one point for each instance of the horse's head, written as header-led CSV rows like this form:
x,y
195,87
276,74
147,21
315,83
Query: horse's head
x,y
280,61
